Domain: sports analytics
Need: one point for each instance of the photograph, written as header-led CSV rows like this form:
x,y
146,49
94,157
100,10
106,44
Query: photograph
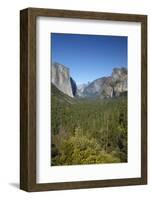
x,y
88,99
83,99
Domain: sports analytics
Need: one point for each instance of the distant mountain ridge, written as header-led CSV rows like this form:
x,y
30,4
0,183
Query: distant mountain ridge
x,y
104,87
107,87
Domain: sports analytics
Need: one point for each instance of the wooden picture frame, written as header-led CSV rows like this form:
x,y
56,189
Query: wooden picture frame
x,y
28,98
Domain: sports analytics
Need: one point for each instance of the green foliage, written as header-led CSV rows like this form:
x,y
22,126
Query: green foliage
x,y
86,132
79,149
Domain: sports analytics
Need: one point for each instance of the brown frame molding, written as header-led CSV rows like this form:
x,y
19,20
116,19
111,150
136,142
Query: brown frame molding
x,y
28,98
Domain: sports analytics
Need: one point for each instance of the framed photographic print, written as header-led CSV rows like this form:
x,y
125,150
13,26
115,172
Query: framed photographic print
x,y
83,99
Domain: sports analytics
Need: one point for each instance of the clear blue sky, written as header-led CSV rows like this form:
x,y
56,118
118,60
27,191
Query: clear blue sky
x,y
89,56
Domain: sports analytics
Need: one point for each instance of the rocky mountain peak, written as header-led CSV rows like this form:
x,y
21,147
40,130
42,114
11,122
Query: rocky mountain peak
x,y
119,74
107,87
60,77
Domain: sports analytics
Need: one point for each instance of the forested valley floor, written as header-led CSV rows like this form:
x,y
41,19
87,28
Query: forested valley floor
x,y
87,131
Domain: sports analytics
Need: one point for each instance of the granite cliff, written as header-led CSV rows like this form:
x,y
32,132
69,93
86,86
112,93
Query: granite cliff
x,y
60,77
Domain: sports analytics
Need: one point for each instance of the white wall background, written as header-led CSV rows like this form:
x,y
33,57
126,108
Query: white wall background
x,y
9,98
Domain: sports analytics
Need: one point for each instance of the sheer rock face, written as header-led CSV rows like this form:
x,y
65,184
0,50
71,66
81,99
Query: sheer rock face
x,y
119,80
74,86
107,87
60,77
